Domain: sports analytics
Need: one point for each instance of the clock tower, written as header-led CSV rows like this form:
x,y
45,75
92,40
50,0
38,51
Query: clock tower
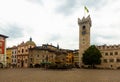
x,y
84,35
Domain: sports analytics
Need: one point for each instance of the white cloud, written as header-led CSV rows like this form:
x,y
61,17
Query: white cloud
x,y
106,23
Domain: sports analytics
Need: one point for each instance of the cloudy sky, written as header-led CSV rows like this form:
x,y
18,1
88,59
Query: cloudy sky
x,y
55,21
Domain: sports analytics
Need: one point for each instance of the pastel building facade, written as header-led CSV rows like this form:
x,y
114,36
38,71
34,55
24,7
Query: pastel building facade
x,y
8,57
110,56
14,56
47,54
23,53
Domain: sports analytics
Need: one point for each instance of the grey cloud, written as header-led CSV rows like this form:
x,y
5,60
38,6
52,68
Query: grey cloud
x,y
12,30
54,37
36,1
70,6
67,7
96,4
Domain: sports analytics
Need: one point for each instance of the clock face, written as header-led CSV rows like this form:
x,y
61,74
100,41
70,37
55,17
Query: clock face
x,y
83,32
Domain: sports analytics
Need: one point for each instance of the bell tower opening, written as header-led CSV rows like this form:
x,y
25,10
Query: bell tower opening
x,y
83,27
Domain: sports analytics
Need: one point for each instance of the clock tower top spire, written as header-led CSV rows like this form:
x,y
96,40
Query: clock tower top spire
x,y
85,20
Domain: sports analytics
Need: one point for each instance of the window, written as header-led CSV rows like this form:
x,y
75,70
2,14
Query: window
x,y
15,56
43,60
111,60
18,51
14,60
106,54
26,50
83,27
111,53
83,39
22,50
83,42
38,55
118,60
12,56
116,53
7,58
105,60
31,59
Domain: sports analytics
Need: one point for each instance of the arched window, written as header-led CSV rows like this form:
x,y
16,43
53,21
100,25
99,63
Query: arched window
x,y
22,50
83,27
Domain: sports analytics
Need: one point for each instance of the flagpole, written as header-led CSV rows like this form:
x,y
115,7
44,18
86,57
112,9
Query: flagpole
x,y
84,12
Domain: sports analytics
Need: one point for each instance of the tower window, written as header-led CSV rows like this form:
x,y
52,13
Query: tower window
x,y
83,42
83,39
83,27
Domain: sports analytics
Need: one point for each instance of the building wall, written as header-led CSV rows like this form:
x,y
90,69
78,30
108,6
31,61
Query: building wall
x,y
9,56
14,57
22,56
38,56
110,56
46,54
76,57
70,58
3,50
23,53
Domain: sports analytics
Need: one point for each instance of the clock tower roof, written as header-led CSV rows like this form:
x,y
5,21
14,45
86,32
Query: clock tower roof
x,y
85,20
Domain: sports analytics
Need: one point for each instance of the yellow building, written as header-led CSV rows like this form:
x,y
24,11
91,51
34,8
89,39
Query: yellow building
x,y
70,58
76,57
9,56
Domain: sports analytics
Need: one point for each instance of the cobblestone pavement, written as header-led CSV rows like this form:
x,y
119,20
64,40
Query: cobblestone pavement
x,y
74,75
